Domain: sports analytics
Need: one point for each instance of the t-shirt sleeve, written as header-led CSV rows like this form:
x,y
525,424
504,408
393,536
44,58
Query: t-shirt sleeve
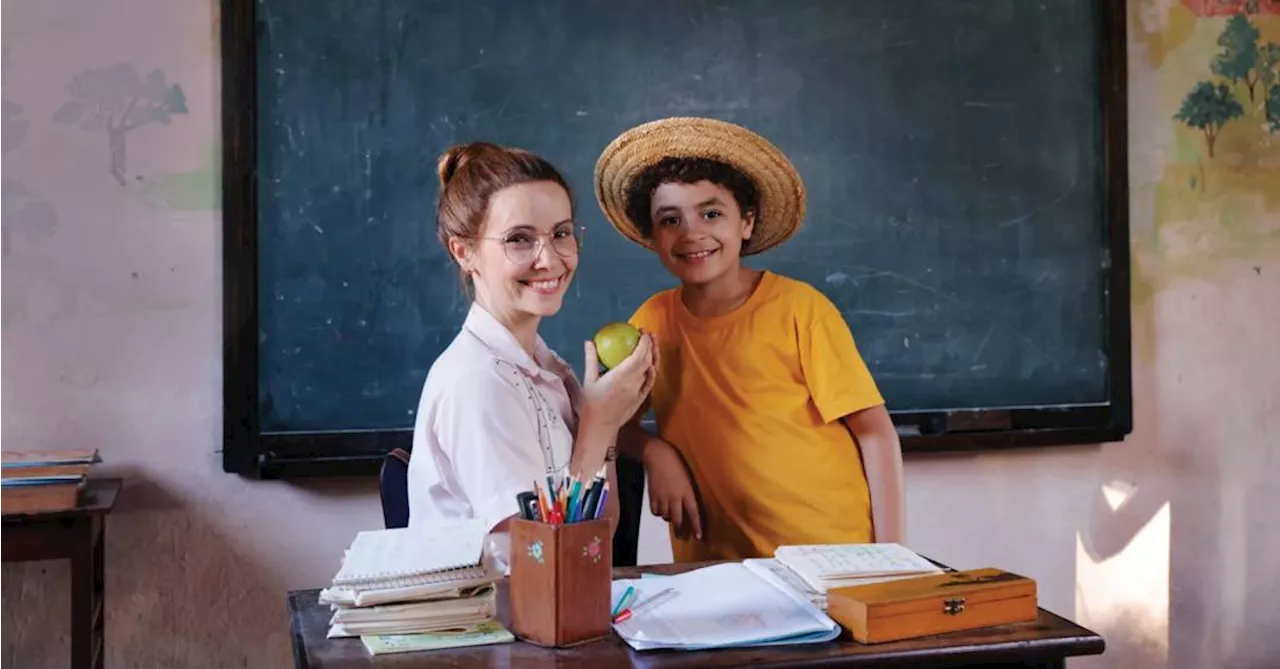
x,y
837,377
645,316
648,317
490,435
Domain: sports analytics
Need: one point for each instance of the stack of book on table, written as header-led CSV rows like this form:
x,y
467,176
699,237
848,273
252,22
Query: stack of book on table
x,y
44,481
416,588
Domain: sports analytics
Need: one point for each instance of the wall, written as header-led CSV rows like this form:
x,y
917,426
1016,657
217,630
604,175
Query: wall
x,y
111,335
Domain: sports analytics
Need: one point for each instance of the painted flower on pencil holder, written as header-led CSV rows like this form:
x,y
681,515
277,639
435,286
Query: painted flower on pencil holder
x,y
535,551
592,550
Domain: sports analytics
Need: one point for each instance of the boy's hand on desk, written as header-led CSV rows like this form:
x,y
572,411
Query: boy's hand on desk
x,y
671,494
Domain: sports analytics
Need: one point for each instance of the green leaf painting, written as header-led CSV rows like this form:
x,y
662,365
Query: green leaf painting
x,y
1207,108
1239,58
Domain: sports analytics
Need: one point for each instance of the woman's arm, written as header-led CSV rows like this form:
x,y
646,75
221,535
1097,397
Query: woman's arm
x,y
590,447
882,460
608,401
611,508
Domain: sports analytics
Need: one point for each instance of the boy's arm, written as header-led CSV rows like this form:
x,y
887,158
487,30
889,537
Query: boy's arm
x,y
671,493
882,459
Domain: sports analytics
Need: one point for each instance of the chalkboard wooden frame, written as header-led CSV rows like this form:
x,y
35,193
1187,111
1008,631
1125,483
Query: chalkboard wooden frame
x,y
249,451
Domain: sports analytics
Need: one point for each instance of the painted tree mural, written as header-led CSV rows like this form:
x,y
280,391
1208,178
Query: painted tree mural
x,y
22,212
13,128
1273,109
27,216
1244,59
1269,76
1207,108
116,99
1239,58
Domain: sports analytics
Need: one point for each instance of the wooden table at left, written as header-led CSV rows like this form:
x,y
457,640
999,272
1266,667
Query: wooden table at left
x,y
78,535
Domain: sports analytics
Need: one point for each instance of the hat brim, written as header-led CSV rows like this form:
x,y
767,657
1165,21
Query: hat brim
x,y
778,184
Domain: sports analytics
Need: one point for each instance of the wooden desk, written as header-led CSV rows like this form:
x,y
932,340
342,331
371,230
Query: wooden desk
x,y
78,535
1044,644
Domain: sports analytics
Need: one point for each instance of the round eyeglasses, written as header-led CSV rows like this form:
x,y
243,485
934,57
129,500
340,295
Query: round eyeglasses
x,y
523,246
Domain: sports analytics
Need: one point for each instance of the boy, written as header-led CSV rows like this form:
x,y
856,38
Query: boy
x,y
771,430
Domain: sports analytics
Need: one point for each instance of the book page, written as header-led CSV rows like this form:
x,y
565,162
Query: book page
x,y
852,560
779,570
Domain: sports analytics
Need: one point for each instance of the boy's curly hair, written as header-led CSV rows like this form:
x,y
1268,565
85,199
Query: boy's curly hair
x,y
689,171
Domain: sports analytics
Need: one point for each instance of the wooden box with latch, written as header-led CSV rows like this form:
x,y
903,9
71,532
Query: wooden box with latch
x,y
950,602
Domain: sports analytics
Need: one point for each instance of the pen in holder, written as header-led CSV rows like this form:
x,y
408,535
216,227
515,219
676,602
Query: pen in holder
x,y
561,580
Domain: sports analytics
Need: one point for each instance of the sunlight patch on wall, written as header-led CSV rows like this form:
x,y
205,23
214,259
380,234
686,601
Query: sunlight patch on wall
x,y
1126,598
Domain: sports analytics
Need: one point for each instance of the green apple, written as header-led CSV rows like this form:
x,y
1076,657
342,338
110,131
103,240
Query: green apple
x,y
614,342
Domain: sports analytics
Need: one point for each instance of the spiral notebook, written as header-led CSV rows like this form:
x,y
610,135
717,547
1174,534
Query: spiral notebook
x,y
402,557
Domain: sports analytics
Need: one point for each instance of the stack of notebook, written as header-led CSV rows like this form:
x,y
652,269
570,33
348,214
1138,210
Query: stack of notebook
x,y
44,481
430,580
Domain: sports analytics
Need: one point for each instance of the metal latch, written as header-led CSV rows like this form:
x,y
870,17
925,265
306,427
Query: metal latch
x,y
953,606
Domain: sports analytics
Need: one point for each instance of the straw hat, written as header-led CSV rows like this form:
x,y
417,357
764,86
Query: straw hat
x,y
781,191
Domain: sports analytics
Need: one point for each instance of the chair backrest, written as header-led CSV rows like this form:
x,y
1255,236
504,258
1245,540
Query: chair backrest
x,y
393,486
626,541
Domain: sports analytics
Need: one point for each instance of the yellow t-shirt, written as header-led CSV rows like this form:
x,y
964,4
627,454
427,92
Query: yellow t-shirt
x,y
753,400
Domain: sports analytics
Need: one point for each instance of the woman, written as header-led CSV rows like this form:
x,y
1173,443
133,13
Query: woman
x,y
499,410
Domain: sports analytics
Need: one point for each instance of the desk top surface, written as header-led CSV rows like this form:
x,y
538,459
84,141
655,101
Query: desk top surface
x,y
1049,637
98,497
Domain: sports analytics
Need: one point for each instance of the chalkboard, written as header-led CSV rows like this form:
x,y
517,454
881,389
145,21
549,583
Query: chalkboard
x,y
963,205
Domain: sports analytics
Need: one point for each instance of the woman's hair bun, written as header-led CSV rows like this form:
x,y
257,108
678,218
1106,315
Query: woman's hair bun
x,y
458,155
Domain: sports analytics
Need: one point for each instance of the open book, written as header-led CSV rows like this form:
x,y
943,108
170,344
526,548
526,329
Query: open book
x,y
827,566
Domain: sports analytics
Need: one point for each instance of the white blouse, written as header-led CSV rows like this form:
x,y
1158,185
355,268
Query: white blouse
x,y
491,421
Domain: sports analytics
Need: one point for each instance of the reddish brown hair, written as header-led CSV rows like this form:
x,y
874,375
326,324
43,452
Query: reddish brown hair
x,y
471,174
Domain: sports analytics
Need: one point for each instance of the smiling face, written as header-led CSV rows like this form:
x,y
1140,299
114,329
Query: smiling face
x,y
698,230
526,253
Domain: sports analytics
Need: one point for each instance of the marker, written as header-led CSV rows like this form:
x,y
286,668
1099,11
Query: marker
x,y
649,603
587,510
622,603
525,501
574,497
604,495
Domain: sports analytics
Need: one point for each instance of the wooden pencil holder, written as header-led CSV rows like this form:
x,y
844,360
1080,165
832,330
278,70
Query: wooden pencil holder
x,y
561,581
